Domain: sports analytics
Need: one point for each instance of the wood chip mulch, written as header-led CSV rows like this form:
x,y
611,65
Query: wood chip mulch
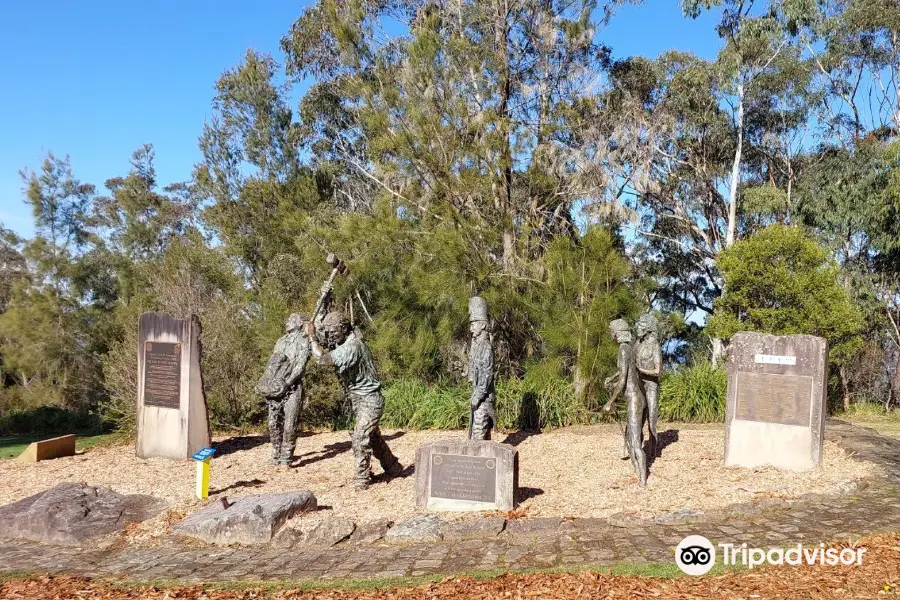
x,y
878,576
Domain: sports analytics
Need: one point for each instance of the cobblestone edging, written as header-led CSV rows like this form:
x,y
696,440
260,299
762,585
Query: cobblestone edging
x,y
874,506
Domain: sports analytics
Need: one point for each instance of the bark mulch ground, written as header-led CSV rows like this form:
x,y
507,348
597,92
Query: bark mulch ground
x,y
878,576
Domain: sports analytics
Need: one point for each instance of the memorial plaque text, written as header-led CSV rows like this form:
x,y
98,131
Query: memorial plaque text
x,y
459,477
162,374
771,398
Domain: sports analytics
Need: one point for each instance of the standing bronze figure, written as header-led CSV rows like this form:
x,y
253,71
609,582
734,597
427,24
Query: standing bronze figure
x,y
335,342
628,380
282,387
480,372
650,367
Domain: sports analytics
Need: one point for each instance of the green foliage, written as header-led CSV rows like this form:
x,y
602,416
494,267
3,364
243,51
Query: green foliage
x,y
50,420
693,394
521,404
780,281
509,157
585,289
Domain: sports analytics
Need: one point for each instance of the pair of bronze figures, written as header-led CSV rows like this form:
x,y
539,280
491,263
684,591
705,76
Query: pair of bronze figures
x,y
640,368
330,340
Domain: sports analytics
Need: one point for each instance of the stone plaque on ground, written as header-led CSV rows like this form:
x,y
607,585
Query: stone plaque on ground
x,y
172,415
776,400
466,475
46,449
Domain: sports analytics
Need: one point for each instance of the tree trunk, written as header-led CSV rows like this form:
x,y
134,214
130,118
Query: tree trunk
x,y
736,169
503,188
718,351
845,388
580,382
895,383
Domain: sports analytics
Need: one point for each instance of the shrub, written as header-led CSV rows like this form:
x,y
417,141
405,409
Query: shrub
x,y
50,420
695,393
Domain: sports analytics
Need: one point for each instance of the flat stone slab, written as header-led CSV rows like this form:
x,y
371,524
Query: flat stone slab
x,y
472,529
535,526
426,528
48,449
73,513
249,520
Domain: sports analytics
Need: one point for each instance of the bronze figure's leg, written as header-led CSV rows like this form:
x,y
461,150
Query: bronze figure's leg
x,y
482,422
275,427
389,463
367,439
292,406
651,388
635,438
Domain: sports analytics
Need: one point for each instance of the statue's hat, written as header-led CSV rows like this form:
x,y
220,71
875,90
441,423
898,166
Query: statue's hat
x,y
477,309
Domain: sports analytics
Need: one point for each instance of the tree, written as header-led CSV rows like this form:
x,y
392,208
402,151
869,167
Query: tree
x,y
54,325
780,281
585,289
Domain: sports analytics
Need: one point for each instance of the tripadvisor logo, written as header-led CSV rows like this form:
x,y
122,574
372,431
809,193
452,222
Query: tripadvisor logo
x,y
696,555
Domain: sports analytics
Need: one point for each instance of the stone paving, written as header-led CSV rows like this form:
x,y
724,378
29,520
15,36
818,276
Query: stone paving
x,y
872,506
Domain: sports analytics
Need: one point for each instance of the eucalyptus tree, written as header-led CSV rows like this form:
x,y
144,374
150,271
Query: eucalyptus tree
x,y
466,112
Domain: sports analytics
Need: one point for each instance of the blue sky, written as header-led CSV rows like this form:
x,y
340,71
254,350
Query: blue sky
x,y
96,79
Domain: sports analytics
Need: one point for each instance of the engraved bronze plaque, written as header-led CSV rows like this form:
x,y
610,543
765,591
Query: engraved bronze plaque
x,y
771,398
162,374
459,477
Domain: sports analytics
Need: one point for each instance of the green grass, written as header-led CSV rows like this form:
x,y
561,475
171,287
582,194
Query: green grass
x,y
13,445
666,570
869,414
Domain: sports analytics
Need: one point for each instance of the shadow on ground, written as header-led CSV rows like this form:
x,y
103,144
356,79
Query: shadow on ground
x,y
332,450
666,439
517,437
253,483
239,444
525,493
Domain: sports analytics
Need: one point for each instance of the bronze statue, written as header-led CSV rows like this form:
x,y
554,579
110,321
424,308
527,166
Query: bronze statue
x,y
480,372
282,387
650,366
335,342
627,379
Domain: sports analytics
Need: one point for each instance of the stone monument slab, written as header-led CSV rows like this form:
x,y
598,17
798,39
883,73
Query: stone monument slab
x,y
172,413
466,475
777,387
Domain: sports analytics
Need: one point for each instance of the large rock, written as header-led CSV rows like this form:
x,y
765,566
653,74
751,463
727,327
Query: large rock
x,y
249,520
425,528
73,513
329,532
372,531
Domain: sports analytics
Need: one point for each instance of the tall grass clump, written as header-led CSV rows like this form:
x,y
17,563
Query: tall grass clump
x,y
695,393
410,404
521,403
